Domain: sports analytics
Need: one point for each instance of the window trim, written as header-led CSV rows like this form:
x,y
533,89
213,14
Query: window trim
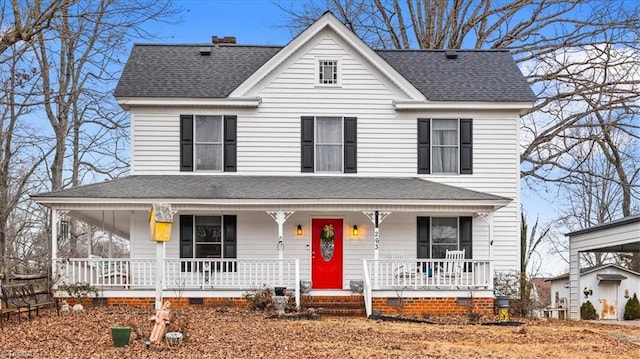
x,y
338,69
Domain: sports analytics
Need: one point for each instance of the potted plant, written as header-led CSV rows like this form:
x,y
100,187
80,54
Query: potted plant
x,y
120,335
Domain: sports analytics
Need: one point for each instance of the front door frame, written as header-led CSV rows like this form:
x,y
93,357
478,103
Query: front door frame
x,y
311,254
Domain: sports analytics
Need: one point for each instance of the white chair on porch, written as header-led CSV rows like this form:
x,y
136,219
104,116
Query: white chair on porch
x,y
452,267
109,273
402,268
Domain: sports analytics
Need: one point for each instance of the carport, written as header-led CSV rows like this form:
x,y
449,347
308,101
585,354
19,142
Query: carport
x,y
619,236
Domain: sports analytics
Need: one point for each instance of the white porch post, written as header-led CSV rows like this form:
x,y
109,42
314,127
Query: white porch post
x,y
159,273
280,217
54,243
376,218
488,219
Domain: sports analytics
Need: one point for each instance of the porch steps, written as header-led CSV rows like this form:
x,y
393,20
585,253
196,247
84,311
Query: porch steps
x,y
338,305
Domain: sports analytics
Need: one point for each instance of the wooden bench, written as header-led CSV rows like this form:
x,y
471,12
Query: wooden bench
x,y
24,298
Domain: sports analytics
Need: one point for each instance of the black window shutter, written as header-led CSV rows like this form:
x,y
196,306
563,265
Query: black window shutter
x,y
424,148
186,143
186,240
350,145
230,143
307,140
423,228
230,241
466,236
466,146
423,237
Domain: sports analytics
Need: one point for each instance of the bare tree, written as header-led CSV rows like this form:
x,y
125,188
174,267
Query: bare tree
x,y
79,61
582,59
26,19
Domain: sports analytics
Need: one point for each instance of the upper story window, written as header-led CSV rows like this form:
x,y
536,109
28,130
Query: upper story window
x,y
328,72
329,144
208,143
445,146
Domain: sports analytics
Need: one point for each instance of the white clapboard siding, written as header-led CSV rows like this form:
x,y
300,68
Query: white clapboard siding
x,y
269,136
258,237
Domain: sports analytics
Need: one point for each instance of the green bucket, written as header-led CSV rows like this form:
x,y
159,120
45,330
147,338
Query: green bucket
x,y
120,336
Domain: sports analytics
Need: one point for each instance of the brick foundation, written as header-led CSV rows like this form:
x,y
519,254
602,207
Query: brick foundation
x,y
342,305
148,302
433,306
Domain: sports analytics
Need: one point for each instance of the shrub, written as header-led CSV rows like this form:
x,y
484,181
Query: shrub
x,y
262,299
588,311
632,308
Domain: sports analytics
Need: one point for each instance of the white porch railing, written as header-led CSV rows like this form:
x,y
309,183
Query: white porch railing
x,y
421,274
181,274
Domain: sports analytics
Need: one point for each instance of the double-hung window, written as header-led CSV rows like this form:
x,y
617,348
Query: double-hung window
x,y
445,146
208,143
208,237
329,144
329,139
436,235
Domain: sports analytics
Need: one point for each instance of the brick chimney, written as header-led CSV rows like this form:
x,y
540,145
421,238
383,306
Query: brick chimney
x,y
227,40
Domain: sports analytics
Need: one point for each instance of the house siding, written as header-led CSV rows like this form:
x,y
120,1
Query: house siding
x,y
258,236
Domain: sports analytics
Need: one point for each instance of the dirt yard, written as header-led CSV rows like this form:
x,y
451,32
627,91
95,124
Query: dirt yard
x,y
212,333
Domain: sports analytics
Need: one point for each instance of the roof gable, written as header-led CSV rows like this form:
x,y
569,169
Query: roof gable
x,y
328,22
228,71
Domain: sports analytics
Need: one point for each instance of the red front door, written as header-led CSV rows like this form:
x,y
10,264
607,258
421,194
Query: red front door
x,y
326,254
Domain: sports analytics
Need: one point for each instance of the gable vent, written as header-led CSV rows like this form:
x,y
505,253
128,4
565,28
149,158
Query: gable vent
x,y
451,54
205,50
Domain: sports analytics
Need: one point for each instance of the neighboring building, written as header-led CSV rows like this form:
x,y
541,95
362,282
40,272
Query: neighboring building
x,y
607,287
621,236
321,166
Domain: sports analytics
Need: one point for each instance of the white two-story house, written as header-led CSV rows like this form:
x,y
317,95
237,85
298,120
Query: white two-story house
x,y
323,166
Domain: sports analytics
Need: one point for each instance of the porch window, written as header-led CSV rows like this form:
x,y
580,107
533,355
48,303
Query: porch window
x,y
208,237
436,235
444,236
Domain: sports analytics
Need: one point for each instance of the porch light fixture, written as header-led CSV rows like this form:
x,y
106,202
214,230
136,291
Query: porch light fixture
x,y
63,229
587,292
355,231
299,230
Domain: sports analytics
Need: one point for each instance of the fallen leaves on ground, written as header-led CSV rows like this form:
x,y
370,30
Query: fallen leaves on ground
x,y
237,333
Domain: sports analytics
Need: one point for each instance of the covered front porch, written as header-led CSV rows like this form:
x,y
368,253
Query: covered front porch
x,y
126,277
388,237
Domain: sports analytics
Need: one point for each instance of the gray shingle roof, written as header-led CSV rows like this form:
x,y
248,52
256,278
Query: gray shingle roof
x,y
472,76
269,188
180,71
